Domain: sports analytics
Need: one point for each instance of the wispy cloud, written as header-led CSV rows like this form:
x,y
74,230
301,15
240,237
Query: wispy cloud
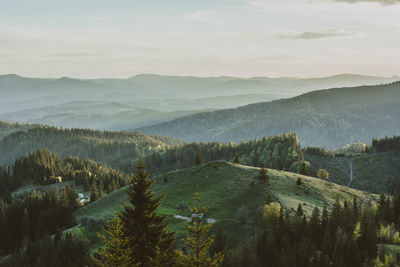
x,y
316,35
203,16
80,54
383,2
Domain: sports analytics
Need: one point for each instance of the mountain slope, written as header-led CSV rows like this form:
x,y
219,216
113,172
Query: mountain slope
x,y
7,128
27,93
99,146
224,188
369,172
329,118
111,116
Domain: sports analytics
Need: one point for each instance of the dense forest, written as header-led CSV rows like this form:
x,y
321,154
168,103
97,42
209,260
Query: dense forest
x,y
327,118
122,150
386,144
28,218
83,143
7,128
279,152
43,167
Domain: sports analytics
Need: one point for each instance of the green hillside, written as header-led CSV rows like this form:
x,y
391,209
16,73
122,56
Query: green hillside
x,y
329,118
226,187
371,172
100,146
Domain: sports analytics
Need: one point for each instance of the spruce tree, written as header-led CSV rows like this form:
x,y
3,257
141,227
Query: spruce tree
x,y
94,193
262,175
198,242
303,169
145,230
116,252
199,159
299,211
236,159
315,226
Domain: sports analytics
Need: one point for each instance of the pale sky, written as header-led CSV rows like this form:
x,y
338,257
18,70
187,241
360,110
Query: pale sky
x,y
122,38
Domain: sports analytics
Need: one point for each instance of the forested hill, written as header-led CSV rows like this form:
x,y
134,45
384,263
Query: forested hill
x,y
7,128
328,118
83,143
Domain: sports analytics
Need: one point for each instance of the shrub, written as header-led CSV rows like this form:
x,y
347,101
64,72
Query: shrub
x,y
323,174
299,181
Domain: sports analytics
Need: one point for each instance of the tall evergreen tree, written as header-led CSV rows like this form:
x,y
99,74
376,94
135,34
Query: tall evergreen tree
x,y
236,159
303,169
262,175
199,159
116,252
198,242
145,230
94,193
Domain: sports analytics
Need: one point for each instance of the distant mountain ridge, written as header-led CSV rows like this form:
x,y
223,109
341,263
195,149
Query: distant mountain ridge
x,y
146,99
329,118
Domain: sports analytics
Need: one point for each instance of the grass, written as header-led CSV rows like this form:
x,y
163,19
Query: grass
x,y
371,172
225,187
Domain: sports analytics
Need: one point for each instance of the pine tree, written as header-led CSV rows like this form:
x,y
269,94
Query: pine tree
x,y
220,241
199,159
94,193
145,230
198,243
315,226
116,252
299,181
299,211
236,159
262,175
303,169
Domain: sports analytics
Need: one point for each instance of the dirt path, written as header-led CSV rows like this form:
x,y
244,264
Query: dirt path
x,y
188,219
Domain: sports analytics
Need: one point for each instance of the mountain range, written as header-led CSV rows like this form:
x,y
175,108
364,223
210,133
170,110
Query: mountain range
x,y
143,100
329,118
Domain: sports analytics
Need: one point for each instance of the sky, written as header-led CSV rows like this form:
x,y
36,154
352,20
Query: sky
x,y
245,38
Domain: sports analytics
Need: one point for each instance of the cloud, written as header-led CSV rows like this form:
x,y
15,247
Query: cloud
x,y
80,54
263,3
316,35
203,16
382,2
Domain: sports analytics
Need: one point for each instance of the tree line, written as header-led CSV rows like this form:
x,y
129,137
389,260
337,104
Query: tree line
x,y
386,144
29,217
280,152
101,146
44,167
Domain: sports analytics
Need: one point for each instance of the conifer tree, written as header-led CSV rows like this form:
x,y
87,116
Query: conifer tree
x,y
315,226
303,169
116,252
262,175
94,193
299,211
198,242
145,230
236,159
199,159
